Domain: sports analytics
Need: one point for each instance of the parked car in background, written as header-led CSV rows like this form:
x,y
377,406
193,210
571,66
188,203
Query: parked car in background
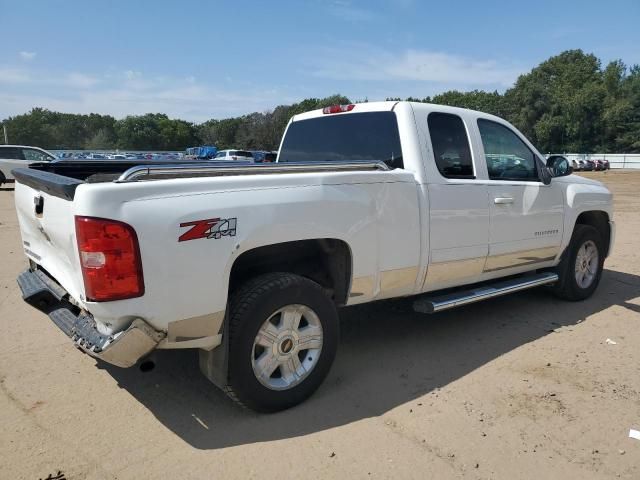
x,y
575,165
261,156
586,165
243,155
14,156
600,164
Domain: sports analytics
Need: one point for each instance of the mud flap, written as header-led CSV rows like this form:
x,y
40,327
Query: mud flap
x,y
214,364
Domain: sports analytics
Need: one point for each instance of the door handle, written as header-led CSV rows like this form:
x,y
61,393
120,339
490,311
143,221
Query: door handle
x,y
502,200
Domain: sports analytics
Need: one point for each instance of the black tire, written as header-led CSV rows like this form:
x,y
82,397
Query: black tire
x,y
250,307
568,287
3,179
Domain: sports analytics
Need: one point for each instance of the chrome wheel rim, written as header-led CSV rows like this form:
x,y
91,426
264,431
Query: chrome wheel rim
x,y
287,347
586,264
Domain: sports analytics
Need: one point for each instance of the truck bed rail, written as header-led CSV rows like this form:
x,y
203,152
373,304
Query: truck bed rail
x,y
150,172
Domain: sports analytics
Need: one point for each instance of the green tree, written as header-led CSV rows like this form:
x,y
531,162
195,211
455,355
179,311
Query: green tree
x,y
101,140
558,105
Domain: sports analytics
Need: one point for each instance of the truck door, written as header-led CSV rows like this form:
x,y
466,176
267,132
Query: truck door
x,y
526,215
458,205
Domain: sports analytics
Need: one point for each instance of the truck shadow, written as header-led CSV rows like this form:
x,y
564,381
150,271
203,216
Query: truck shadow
x,y
388,356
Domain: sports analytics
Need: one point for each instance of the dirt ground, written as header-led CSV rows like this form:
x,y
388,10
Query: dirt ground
x,y
524,386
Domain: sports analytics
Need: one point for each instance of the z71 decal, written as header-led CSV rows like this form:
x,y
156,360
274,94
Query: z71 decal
x,y
209,228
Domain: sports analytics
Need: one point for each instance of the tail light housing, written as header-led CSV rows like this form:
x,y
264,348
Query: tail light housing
x,y
338,108
110,259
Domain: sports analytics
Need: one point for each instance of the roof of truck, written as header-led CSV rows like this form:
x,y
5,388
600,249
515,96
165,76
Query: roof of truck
x,y
391,105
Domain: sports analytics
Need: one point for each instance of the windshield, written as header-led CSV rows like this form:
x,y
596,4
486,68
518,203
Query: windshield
x,y
343,138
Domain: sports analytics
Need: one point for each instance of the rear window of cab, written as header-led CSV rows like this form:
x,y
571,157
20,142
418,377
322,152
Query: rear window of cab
x,y
344,138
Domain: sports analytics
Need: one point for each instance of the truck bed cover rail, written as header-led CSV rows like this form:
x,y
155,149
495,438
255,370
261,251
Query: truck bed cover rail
x,y
199,170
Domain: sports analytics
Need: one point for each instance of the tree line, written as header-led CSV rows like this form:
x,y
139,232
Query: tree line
x,y
568,103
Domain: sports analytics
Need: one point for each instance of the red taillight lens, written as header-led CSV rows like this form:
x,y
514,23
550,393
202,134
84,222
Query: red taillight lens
x,y
338,108
110,259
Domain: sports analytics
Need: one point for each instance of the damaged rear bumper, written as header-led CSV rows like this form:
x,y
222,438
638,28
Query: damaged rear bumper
x,y
122,349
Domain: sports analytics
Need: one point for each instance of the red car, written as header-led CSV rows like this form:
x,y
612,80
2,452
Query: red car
x,y
601,164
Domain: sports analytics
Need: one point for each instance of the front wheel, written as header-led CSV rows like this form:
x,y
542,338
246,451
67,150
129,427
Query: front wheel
x,y
283,337
581,269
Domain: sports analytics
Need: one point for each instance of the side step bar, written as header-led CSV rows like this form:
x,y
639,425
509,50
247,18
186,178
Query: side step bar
x,y
445,302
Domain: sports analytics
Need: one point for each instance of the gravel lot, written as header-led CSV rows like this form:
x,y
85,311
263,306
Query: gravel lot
x,y
524,386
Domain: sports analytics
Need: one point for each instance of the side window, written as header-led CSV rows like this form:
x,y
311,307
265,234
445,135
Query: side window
x,y
507,157
450,145
34,155
11,153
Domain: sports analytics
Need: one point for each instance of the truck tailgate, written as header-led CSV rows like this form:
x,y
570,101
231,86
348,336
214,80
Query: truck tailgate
x,y
47,226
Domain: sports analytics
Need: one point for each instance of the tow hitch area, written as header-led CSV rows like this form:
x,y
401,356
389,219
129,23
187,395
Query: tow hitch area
x,y
122,349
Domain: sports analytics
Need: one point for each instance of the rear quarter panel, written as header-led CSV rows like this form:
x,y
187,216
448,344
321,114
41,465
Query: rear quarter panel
x,y
375,213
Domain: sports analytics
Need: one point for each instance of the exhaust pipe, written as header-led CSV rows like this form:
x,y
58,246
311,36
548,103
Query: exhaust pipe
x,y
148,364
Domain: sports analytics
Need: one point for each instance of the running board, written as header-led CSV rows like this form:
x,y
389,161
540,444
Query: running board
x,y
456,299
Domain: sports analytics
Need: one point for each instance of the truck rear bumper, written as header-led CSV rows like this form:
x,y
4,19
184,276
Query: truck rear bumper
x,y
122,349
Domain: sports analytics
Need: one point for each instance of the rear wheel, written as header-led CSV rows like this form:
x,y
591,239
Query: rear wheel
x,y
581,269
283,337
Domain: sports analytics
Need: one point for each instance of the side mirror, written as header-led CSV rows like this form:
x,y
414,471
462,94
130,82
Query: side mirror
x,y
559,166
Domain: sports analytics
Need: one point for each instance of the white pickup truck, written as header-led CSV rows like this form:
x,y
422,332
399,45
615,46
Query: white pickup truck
x,y
248,263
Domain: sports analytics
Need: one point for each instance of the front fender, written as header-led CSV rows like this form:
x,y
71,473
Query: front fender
x,y
581,198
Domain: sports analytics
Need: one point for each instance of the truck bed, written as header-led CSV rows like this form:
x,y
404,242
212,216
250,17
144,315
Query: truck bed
x,y
61,179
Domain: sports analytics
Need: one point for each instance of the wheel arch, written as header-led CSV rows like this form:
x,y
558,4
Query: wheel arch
x,y
326,261
598,219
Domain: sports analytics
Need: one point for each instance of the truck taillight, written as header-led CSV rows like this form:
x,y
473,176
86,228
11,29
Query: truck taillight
x,y
110,259
338,108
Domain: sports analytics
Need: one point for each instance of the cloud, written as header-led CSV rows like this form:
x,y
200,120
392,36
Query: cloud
x,y
131,93
373,65
27,56
132,74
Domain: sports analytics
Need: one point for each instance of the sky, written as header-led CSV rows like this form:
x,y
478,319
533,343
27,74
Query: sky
x,y
198,60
